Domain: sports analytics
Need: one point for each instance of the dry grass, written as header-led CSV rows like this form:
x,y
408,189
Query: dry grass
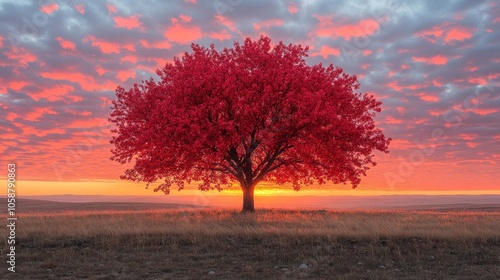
x,y
186,244
357,224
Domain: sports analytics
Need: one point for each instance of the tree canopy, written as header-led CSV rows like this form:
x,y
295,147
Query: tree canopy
x,y
254,112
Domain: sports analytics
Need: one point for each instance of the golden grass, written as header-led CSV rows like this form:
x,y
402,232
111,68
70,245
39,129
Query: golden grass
x,y
269,244
363,224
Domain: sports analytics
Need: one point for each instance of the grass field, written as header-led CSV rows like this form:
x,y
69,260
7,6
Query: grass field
x,y
270,244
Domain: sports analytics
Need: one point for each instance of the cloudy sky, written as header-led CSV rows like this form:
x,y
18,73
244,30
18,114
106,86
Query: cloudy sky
x,y
435,65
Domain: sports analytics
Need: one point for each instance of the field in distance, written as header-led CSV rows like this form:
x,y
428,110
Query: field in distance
x,y
182,243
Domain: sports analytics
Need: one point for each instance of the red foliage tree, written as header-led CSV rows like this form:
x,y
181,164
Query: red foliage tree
x,y
246,114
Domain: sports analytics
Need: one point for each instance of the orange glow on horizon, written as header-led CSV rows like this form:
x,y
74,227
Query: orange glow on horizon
x,y
125,188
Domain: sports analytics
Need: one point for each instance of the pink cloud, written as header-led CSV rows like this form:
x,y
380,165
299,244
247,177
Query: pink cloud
x,y
437,83
437,60
125,74
222,35
11,116
483,80
49,8
181,32
392,120
394,85
16,85
162,45
458,33
185,18
65,44
292,8
482,112
30,130
156,45
129,47
85,123
80,8
108,47
468,137
401,110
401,144
38,113
131,22
328,28
421,120
111,9
100,70
436,112
90,85
21,57
428,97
129,58
447,32
87,83
327,51
225,21
65,76
431,34
472,144
267,24
478,80
85,113
472,68
54,93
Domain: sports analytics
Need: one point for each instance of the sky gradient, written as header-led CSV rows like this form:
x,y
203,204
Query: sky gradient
x,y
434,65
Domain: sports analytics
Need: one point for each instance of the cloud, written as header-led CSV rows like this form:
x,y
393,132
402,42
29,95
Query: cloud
x,y
20,57
131,22
80,8
180,31
38,113
111,9
328,26
58,92
220,19
437,60
105,46
65,44
327,51
446,32
292,8
428,97
49,8
125,74
267,24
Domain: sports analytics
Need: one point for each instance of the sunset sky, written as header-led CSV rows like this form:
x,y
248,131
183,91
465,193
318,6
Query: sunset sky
x,y
435,66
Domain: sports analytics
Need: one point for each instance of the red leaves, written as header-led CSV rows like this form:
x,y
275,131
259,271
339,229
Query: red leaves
x,y
246,114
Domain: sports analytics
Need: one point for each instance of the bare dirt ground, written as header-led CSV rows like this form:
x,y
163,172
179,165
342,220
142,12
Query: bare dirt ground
x,y
269,244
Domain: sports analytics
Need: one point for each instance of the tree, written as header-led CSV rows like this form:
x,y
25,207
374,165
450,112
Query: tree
x,y
246,114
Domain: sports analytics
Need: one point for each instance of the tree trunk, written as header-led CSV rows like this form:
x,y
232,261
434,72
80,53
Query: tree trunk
x,y
248,199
